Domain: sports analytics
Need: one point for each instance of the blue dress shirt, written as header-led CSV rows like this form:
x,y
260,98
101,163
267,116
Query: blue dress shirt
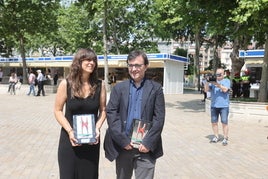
x,y
134,105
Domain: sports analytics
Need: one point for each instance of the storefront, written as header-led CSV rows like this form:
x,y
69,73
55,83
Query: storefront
x,y
167,69
253,64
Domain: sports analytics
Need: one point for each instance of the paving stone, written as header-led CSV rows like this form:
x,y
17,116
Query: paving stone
x,y
29,140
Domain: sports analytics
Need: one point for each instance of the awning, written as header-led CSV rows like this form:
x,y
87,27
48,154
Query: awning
x,y
206,72
254,62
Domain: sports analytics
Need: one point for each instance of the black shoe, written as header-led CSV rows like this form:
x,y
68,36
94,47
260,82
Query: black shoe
x,y
37,95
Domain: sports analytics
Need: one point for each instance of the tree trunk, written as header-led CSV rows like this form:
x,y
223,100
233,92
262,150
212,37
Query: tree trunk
x,y
115,43
196,61
106,69
24,65
264,76
237,63
215,60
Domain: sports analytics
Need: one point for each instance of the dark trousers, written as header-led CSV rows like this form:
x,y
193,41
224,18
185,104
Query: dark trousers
x,y
245,89
11,87
205,95
41,88
143,165
236,90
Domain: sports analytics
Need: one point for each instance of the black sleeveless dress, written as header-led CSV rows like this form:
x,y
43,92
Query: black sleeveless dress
x,y
80,162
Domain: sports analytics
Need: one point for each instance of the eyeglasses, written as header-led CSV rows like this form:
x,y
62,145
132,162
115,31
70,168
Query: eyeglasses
x,y
134,65
218,74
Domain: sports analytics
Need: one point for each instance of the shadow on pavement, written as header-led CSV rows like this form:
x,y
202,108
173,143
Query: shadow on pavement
x,y
189,102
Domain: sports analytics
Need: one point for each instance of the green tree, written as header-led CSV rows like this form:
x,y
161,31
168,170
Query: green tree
x,y
254,13
21,19
185,20
79,29
124,25
128,26
207,23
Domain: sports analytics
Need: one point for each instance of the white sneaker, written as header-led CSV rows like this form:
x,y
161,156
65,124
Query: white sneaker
x,y
225,141
214,140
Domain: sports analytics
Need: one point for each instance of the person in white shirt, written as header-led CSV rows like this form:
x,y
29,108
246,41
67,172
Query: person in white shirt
x,y
12,82
40,79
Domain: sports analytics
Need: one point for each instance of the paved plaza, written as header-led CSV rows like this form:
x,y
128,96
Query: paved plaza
x,y
29,140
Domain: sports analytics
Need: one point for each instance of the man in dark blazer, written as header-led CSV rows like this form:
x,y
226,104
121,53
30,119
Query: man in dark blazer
x,y
136,98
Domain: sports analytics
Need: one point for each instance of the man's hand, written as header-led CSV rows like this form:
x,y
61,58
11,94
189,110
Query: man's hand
x,y
143,149
223,88
128,147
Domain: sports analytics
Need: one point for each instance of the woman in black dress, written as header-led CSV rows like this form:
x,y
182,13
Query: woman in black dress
x,y
82,94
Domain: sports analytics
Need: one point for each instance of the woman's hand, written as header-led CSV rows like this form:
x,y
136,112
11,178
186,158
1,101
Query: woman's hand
x,y
97,136
73,139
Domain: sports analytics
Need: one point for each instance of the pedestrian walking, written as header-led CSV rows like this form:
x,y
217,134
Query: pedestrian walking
x,y
40,81
31,81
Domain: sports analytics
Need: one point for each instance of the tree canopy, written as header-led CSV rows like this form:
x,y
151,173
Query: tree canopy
x,y
117,27
22,19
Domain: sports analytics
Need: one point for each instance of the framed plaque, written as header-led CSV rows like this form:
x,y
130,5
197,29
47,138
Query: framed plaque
x,y
140,129
84,128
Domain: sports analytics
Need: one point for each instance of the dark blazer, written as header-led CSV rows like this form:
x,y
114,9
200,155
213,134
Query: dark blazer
x,y
153,109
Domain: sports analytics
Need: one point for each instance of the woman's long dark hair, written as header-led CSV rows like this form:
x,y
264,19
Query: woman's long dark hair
x,y
75,75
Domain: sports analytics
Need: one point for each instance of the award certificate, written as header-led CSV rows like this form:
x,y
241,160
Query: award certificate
x,y
84,128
